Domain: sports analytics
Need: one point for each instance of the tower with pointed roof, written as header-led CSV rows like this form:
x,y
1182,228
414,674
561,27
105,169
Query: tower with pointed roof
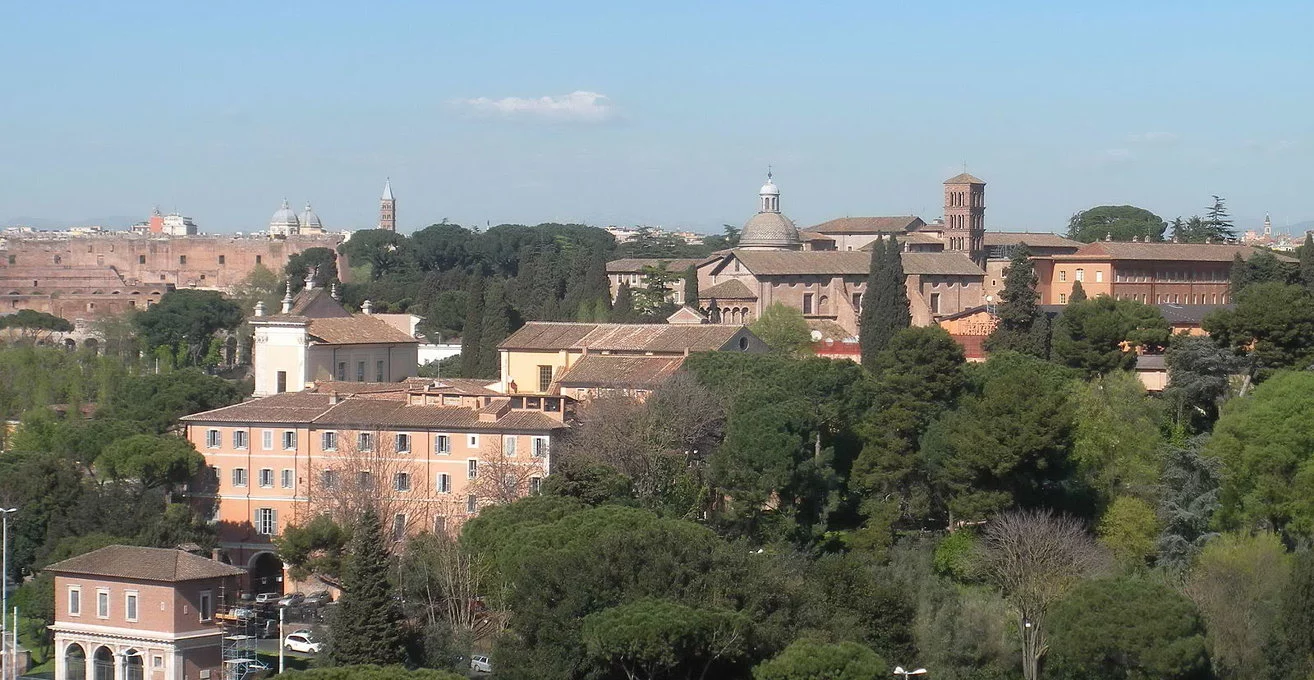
x,y
388,208
964,216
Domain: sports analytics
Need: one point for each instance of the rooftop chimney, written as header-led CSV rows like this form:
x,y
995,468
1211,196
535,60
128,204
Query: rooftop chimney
x,y
287,298
260,308
333,292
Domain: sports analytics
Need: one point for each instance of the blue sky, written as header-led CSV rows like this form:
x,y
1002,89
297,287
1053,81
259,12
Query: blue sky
x,y
862,108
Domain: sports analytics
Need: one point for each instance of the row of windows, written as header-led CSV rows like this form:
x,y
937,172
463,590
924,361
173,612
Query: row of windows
x,y
1080,275
131,601
365,441
380,375
1145,275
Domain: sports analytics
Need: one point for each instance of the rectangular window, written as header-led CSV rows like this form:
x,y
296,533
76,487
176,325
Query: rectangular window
x,y
130,605
281,387
267,440
365,480
1063,298
157,661
535,485
472,441
265,521
258,259
509,445
182,259
471,504
1081,274
74,601
935,303
544,378
221,259
807,303
213,439
857,302
401,481
403,443
266,478
360,371
471,469
398,526
444,483
540,447
239,439
1099,276
342,370
442,443
378,371
239,476
1063,275
290,440
289,478
205,606
439,524
141,259
365,441
329,479
102,603
329,441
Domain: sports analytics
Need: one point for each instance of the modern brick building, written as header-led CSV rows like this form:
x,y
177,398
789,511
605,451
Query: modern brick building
x,y
133,613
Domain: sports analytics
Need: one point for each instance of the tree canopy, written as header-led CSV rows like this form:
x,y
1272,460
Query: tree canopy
x,y
1116,222
885,302
1022,327
188,319
783,329
1102,334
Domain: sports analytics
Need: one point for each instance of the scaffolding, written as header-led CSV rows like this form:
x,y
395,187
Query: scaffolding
x,y
239,642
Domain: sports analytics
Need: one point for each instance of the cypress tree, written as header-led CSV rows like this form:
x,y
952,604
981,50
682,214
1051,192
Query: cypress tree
x,y
496,327
622,310
885,304
713,311
1078,293
691,286
367,628
472,332
1307,262
1023,327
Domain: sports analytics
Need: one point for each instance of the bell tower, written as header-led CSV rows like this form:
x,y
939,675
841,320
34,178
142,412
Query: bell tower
x,y
388,208
964,216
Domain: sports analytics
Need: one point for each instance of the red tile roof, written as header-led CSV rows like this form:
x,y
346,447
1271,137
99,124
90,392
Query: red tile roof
x,y
145,564
357,330
621,337
867,225
597,370
1167,251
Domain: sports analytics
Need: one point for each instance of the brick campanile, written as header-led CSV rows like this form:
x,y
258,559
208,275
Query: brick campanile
x,y
964,216
388,208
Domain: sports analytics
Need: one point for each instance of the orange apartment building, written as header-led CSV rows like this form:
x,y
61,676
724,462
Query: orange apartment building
x,y
133,613
1153,273
425,454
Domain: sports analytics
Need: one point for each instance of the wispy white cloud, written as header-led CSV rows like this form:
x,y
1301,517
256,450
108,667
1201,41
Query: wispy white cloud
x,y
1115,155
579,106
1162,138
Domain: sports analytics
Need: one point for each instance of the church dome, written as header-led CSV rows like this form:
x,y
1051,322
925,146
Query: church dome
x,y
769,229
284,221
309,220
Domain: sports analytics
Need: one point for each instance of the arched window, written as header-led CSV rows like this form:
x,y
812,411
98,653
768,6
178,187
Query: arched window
x,y
75,662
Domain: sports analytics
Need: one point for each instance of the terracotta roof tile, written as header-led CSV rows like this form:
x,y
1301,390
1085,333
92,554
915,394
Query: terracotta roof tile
x,y
145,564
357,330
635,265
600,370
394,414
964,178
288,407
734,289
850,263
867,225
621,337
1166,251
1036,239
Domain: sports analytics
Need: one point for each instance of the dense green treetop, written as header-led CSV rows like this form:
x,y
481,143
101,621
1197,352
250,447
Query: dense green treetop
x,y
370,672
1102,334
153,460
885,308
324,262
367,626
189,319
1271,326
783,329
814,660
159,400
1118,222
1022,327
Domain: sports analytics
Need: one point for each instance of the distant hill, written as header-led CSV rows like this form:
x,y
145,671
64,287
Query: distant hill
x,y
112,222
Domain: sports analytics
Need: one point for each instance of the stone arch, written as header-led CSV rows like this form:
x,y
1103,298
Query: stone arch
x,y
102,664
91,344
134,665
265,572
823,305
70,343
75,662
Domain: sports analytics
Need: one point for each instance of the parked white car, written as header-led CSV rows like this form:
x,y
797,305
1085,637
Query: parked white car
x,y
302,642
264,598
480,664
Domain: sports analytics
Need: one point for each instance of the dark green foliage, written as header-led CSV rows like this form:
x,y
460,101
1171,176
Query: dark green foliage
x,y
152,460
158,401
646,243
367,626
387,254
188,318
441,247
1116,222
1266,445
1198,372
1290,650
652,301
919,375
1307,262
370,672
1022,326
691,286
1007,442
30,320
1126,627
622,310
655,638
472,333
448,367
498,323
1272,326
1219,222
1101,335
863,605
728,238
315,548
590,482
885,308
1262,267
1190,499
783,329
813,660
323,261
1078,293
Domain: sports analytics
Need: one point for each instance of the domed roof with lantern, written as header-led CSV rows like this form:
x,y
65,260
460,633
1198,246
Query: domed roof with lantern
x,y
309,220
284,221
769,229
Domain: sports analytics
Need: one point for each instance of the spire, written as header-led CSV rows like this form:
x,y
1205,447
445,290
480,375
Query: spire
x,y
1268,226
287,298
387,189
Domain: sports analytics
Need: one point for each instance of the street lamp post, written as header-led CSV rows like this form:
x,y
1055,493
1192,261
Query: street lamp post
x,y
4,594
281,640
898,670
